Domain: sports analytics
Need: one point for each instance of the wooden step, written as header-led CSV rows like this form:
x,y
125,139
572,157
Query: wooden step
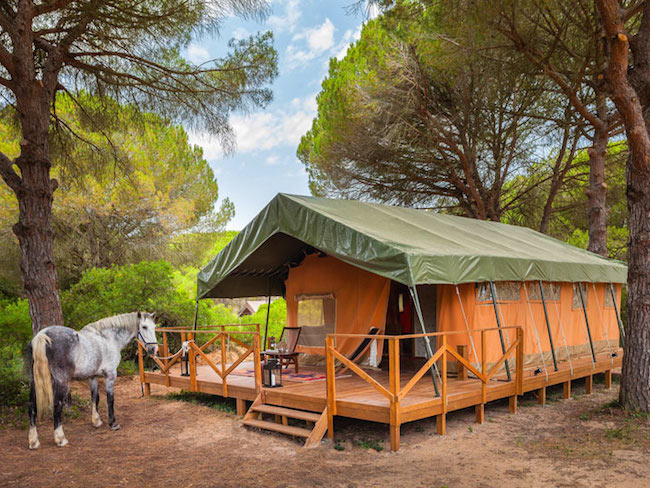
x,y
287,412
284,429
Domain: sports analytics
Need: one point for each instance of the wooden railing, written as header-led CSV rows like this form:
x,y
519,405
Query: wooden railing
x,y
220,335
395,393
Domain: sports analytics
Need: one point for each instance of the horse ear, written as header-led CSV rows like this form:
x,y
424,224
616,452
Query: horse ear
x,y
139,315
153,316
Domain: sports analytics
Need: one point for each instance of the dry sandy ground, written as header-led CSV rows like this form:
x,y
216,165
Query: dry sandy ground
x,y
172,443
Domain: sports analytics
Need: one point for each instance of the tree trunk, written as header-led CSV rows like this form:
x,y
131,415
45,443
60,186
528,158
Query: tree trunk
x,y
597,193
635,382
34,227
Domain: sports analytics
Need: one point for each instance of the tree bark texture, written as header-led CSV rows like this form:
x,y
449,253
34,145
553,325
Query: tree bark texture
x,y
629,92
34,227
597,193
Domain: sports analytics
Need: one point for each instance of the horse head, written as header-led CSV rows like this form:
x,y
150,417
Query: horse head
x,y
147,331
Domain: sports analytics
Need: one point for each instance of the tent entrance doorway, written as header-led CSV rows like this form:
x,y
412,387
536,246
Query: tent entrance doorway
x,y
401,319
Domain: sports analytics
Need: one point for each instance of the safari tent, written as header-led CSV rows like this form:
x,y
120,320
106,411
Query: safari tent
x,y
453,313
366,265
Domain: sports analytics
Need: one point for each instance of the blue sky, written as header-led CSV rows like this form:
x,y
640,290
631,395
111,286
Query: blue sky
x,y
307,34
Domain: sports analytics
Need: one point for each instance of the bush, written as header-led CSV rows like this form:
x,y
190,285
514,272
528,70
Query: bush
x,y
14,386
152,286
15,322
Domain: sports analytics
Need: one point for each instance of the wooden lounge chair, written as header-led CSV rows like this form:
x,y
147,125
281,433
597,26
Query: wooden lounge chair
x,y
290,335
360,351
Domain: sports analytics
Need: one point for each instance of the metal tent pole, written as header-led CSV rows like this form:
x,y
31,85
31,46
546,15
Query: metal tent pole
x,y
427,344
268,311
548,323
196,313
584,309
496,313
621,330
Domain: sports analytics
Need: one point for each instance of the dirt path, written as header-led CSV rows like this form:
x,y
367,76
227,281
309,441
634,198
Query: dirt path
x,y
173,443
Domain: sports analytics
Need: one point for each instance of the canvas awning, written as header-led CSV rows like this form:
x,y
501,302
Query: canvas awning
x,y
407,245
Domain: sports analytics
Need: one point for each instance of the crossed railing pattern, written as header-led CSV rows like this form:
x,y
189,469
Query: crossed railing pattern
x,y
221,336
395,393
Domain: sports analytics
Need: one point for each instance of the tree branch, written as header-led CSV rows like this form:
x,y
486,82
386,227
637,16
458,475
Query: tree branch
x,y
9,174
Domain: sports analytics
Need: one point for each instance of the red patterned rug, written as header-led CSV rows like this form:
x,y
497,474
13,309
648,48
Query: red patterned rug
x,y
288,375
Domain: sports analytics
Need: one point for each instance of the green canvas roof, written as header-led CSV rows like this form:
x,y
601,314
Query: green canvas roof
x,y
407,245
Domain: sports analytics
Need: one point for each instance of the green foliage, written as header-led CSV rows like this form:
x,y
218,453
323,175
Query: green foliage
x,y
14,387
127,186
226,405
15,322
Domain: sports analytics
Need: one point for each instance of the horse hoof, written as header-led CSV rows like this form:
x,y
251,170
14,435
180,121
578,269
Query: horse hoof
x,y
62,443
97,424
34,445
115,426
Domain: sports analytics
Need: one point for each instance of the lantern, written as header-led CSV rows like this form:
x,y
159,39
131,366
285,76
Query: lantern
x,y
272,373
185,363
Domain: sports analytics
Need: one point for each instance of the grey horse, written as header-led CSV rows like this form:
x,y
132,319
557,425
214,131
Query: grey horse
x,y
57,355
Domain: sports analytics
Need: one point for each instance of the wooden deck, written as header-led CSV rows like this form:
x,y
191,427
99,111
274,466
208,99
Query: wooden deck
x,y
355,398
393,397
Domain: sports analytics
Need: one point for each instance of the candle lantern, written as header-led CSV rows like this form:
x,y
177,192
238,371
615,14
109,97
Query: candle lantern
x,y
272,373
185,363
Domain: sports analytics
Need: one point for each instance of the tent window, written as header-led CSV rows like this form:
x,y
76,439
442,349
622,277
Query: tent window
x,y
317,317
507,291
551,292
609,302
577,304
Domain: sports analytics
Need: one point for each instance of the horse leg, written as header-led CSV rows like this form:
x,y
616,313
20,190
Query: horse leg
x,y
33,433
110,382
94,399
60,394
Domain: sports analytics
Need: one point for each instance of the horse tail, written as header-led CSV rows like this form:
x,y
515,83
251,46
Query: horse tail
x,y
41,375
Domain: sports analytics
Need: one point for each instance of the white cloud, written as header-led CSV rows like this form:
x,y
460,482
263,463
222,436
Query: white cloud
x,y
288,21
198,54
272,160
240,33
263,131
318,40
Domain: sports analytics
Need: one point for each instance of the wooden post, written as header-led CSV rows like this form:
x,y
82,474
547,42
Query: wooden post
x,y
512,404
147,386
566,394
241,407
192,359
165,348
589,384
520,362
394,372
331,385
480,413
258,365
541,396
480,408
461,370
441,421
224,363
608,378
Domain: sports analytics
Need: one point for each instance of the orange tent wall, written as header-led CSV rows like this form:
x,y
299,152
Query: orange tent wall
x,y
361,297
602,322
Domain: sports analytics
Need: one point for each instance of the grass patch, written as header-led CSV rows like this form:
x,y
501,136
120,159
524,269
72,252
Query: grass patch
x,y
370,444
204,399
339,447
127,367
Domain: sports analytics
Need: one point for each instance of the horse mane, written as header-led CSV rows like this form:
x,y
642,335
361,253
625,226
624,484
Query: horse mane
x,y
127,321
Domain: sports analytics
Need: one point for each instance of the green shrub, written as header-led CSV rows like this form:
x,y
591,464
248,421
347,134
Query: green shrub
x,y
15,322
14,386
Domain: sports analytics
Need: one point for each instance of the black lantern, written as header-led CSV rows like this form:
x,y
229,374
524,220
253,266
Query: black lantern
x,y
272,373
185,363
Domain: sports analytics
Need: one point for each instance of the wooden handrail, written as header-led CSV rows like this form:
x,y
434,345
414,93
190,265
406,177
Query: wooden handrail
x,y
396,393
195,350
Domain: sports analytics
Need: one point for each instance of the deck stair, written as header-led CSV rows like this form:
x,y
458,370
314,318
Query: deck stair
x,y
315,424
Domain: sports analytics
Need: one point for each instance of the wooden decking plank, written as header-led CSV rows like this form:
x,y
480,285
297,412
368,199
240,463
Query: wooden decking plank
x,y
284,429
287,412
